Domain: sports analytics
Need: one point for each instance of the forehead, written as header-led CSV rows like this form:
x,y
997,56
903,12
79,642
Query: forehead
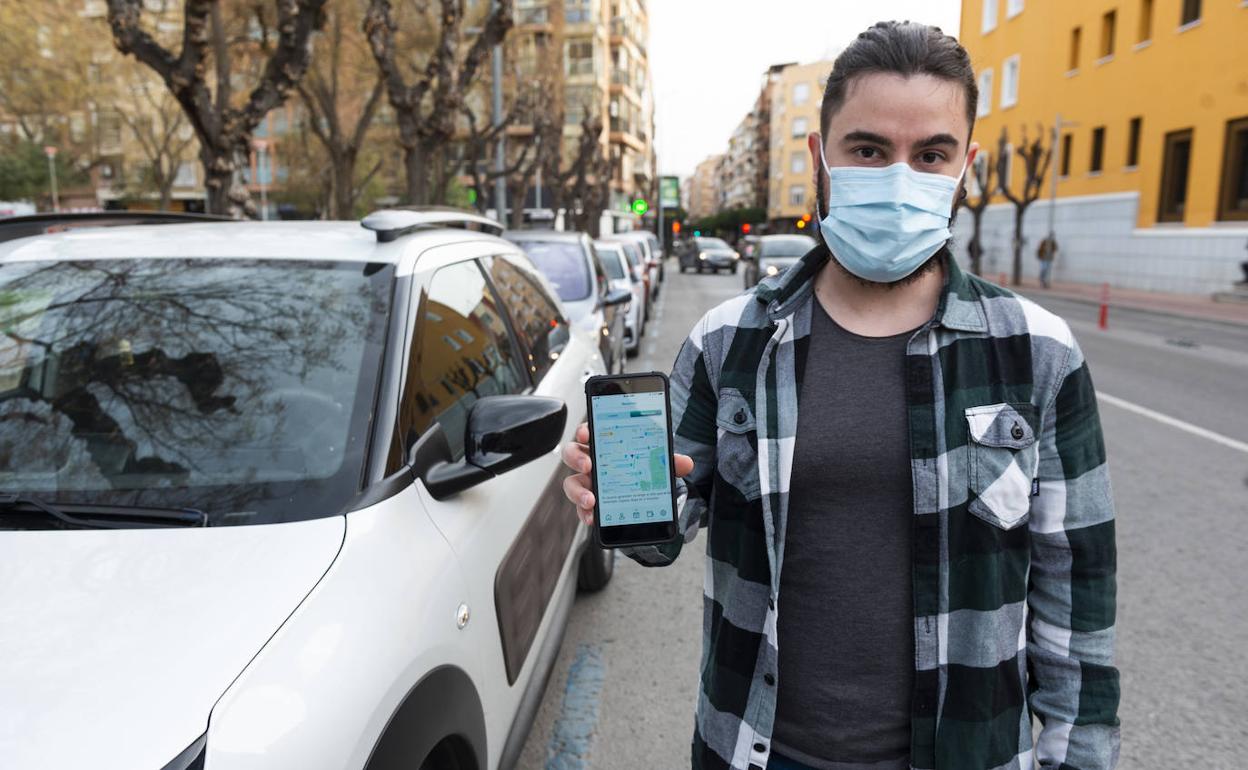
x,y
901,107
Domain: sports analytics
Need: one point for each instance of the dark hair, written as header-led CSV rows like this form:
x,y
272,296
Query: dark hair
x,y
905,48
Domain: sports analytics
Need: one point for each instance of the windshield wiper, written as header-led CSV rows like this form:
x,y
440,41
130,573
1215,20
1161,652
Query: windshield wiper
x,y
103,516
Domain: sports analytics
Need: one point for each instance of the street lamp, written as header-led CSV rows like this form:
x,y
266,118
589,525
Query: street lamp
x,y
50,151
261,165
1058,125
500,148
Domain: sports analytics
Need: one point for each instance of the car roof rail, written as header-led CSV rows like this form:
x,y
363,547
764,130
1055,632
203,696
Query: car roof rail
x,y
393,223
27,225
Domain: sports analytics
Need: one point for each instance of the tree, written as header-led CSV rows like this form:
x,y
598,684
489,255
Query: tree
x,y
1036,158
984,179
340,110
224,128
586,179
428,108
159,127
24,171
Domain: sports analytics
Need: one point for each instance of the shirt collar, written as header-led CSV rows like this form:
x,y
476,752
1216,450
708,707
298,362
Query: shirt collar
x,y
960,305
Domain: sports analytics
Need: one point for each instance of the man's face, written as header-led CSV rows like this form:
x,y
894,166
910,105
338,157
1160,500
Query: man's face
x,y
887,118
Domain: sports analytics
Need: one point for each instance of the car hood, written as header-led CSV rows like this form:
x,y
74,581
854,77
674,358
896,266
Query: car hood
x,y
116,644
718,252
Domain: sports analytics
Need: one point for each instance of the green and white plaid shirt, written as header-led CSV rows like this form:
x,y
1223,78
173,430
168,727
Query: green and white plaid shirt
x,y
1014,555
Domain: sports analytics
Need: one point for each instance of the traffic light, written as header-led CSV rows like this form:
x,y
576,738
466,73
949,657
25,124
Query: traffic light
x,y
697,233
676,228
745,229
801,224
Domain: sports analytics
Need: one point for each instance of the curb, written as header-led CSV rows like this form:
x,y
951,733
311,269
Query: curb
x,y
1033,295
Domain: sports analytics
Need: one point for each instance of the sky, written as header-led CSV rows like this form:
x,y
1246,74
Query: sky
x,y
707,58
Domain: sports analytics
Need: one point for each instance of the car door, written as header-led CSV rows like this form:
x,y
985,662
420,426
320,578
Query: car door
x,y
512,534
611,344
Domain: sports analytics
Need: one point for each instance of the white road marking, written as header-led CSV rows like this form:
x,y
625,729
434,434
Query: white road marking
x,y
1173,422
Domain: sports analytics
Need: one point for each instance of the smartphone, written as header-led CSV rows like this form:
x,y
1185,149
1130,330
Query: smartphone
x,y
630,440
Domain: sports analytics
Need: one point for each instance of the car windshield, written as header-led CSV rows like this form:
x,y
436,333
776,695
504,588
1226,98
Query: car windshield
x,y
796,246
242,388
713,243
611,262
634,254
564,265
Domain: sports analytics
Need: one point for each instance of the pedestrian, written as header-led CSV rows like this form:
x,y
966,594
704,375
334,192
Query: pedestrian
x,y
901,470
1046,252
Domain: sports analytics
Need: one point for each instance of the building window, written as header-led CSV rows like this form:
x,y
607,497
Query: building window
x,y
1133,142
580,57
1013,8
801,93
800,127
1174,170
1068,142
1076,39
578,11
1009,82
990,15
985,93
797,195
797,164
1146,21
1233,203
185,176
1098,150
1191,12
1109,29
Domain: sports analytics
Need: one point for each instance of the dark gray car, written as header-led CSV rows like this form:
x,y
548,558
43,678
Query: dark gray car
x,y
773,254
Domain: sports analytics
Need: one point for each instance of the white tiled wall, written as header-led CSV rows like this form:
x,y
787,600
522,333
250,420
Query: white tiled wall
x,y
1098,242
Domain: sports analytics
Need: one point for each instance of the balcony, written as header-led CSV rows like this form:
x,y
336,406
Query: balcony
x,y
533,15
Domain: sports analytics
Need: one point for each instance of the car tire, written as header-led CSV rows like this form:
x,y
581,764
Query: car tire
x,y
682,269
734,269
597,566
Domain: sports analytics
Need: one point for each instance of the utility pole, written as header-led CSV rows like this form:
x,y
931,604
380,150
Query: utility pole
x,y
50,151
261,170
500,148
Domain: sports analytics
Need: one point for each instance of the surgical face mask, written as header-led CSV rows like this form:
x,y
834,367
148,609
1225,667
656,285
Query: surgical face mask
x,y
882,224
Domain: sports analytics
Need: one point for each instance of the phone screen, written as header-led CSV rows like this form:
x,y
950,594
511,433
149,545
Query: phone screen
x,y
632,457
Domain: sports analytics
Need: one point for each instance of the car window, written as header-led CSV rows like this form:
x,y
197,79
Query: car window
x,y
461,351
786,247
563,264
611,262
712,243
600,272
242,388
633,253
535,315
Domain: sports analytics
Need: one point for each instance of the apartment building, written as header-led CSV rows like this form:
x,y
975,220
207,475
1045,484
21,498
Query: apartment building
x,y
1152,155
705,188
796,93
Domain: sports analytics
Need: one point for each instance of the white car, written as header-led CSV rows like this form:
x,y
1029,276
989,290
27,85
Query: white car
x,y
254,507
625,276
649,254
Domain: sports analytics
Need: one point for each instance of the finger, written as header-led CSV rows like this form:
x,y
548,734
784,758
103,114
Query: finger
x,y
683,465
582,433
576,457
576,489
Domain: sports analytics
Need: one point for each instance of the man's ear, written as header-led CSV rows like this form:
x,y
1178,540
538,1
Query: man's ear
x,y
971,153
814,141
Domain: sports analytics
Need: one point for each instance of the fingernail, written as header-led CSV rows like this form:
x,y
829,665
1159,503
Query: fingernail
x,y
585,466
587,500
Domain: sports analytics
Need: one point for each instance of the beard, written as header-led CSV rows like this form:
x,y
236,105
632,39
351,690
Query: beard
x,y
933,262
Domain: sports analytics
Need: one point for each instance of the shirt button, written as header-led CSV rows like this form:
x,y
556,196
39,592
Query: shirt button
x,y
760,748
739,417
769,679
1017,432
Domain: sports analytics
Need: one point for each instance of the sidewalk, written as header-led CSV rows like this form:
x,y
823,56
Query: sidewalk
x,y
1191,306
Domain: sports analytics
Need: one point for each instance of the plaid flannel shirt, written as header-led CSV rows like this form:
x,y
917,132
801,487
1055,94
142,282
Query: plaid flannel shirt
x,y
1014,554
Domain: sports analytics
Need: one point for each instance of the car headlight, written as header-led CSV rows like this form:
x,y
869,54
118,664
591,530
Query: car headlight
x,y
702,256
192,757
773,270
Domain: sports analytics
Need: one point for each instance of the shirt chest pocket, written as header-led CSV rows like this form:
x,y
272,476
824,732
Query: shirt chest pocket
x,y
1002,458
736,454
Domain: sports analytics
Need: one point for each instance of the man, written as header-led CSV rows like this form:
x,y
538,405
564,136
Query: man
x,y
1046,253
910,531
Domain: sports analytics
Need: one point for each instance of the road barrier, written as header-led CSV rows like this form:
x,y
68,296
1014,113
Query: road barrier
x,y
1103,322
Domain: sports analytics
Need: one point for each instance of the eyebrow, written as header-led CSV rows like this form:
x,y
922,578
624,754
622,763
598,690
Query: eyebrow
x,y
935,140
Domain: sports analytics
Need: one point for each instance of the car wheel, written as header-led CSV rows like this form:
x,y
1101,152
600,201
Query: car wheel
x,y
734,269
448,755
597,566
682,269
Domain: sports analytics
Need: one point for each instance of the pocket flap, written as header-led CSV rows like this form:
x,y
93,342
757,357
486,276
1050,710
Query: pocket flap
x,y
735,413
1002,425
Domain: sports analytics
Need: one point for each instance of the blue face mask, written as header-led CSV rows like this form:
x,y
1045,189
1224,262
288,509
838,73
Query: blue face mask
x,y
883,224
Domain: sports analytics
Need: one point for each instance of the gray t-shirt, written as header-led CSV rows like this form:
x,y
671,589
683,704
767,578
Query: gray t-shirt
x,y
846,633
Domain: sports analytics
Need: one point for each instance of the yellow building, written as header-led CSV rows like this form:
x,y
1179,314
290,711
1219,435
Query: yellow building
x,y
1152,160
796,93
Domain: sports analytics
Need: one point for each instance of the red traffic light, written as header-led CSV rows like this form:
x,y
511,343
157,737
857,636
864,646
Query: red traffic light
x,y
745,228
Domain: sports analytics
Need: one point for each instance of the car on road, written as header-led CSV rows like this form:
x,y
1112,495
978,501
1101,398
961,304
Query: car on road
x,y
624,275
648,250
773,254
570,262
259,505
703,253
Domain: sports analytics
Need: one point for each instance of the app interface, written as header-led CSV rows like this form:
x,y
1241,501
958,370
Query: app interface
x,y
630,448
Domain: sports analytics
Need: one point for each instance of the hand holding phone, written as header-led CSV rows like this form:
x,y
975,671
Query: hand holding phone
x,y
632,470
579,488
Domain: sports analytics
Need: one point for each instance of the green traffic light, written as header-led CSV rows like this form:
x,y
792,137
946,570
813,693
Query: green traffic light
x,y
697,233
640,207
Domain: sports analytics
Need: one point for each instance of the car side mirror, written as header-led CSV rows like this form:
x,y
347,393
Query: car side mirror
x,y
503,433
617,297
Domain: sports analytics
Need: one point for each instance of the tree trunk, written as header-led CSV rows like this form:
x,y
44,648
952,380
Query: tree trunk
x,y
218,176
977,243
342,186
1019,213
164,183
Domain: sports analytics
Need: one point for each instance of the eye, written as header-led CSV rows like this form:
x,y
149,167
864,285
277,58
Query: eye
x,y
931,157
867,153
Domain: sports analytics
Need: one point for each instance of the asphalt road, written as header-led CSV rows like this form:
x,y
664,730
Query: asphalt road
x,y
1175,413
